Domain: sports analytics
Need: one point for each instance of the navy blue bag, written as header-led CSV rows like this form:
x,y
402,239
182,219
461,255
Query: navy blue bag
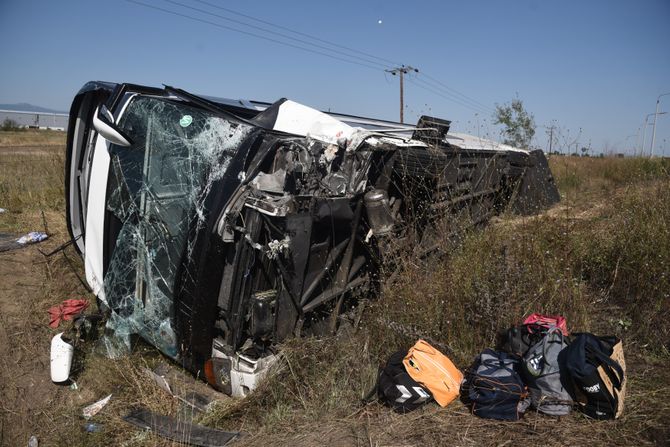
x,y
493,388
597,368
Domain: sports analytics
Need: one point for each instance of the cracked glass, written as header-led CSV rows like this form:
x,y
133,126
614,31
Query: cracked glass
x,y
155,195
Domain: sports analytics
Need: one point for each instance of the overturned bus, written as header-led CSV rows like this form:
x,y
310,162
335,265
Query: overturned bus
x,y
215,229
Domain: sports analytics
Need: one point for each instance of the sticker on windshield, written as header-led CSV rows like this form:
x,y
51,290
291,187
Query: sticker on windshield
x,y
185,120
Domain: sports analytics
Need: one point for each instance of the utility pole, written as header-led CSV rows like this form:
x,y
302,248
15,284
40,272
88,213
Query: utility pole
x,y
653,133
625,141
401,71
637,141
551,136
644,133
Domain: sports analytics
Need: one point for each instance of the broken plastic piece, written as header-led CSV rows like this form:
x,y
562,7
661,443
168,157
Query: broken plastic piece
x,y
270,182
246,372
61,358
174,429
275,247
92,427
32,237
86,326
95,408
8,242
181,386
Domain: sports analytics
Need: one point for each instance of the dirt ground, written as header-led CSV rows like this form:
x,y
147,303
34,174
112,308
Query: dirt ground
x,y
29,285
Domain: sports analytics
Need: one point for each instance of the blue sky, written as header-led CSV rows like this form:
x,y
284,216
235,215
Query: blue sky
x,y
594,65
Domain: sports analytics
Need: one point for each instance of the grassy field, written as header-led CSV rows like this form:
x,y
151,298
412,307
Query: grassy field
x,y
601,258
32,137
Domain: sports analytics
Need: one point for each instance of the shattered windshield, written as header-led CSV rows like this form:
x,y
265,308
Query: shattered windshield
x,y
155,196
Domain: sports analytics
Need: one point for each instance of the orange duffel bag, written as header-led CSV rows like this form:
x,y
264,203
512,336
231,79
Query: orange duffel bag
x,y
435,371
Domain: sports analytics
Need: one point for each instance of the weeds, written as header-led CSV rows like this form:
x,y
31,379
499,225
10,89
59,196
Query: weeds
x,y
626,256
32,183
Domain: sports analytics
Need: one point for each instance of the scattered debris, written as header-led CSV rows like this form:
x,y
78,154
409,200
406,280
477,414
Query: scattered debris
x,y
11,242
195,394
92,427
238,374
74,386
67,311
33,442
2,210
95,408
32,238
86,326
276,248
160,380
62,352
8,242
179,430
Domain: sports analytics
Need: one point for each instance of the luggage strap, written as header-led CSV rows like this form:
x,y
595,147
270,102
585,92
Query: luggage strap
x,y
613,370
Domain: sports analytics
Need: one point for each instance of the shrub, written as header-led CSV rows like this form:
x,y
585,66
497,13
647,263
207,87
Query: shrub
x,y
10,125
626,255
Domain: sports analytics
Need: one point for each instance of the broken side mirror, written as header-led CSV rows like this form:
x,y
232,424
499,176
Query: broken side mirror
x,y
103,122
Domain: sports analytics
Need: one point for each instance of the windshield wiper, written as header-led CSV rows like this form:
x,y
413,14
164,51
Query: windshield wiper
x,y
206,104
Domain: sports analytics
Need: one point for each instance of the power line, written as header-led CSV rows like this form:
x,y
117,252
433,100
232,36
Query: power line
x,y
426,87
438,93
453,90
387,61
436,86
248,33
469,103
285,36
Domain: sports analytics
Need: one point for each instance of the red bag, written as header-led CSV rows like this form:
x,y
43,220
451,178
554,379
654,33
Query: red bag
x,y
548,321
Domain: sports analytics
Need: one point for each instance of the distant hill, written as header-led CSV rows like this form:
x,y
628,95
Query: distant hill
x,y
25,107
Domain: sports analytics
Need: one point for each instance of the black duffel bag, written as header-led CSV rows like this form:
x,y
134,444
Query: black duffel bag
x,y
597,369
397,389
517,340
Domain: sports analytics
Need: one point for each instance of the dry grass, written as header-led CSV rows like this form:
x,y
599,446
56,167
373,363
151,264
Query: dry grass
x,y
32,181
32,137
601,258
